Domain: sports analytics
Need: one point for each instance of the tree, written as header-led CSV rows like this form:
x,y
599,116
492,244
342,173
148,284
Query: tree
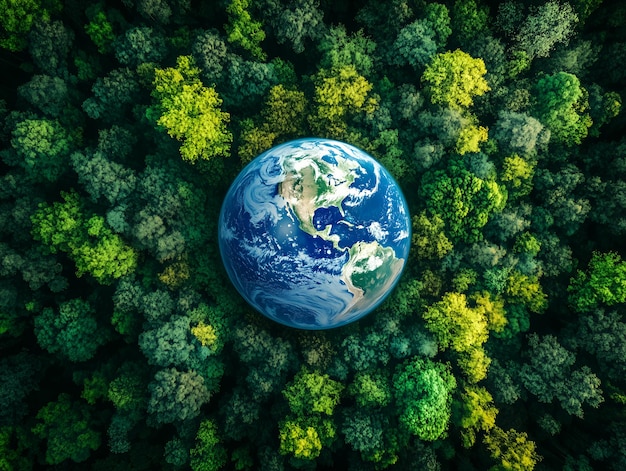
x,y
423,396
48,94
462,199
340,49
561,106
312,392
304,438
517,175
169,344
50,43
549,375
209,52
42,148
176,395
603,334
604,282
469,19
19,375
547,25
243,30
370,389
73,331
18,18
92,245
67,427
100,30
139,45
519,133
102,177
209,454
455,324
294,22
190,112
454,78
474,412
512,449
339,93
112,95
416,44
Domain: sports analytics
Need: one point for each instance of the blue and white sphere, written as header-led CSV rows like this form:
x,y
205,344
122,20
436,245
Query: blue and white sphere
x,y
314,233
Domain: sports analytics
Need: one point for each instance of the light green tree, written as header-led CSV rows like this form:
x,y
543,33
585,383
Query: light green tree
x,y
474,412
604,282
190,112
562,106
423,396
67,227
209,454
454,78
339,94
513,450
243,30
312,392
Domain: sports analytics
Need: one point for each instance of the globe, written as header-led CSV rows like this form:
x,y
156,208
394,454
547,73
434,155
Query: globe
x,y
314,233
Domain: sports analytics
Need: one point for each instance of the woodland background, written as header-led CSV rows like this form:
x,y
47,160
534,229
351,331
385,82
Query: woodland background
x,y
123,344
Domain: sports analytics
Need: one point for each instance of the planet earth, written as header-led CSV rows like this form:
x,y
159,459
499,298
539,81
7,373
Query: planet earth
x,y
314,233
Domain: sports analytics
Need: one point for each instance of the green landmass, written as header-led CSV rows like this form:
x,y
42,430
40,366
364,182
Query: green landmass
x,y
123,344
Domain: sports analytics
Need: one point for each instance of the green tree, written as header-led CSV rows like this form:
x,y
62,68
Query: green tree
x,y
474,412
73,332
463,200
454,78
304,438
190,112
50,95
295,22
66,426
112,95
423,396
176,395
513,450
92,245
243,30
42,148
17,20
209,454
340,49
517,175
428,238
100,31
549,375
604,282
547,25
312,392
561,106
370,389
416,44
339,93
103,177
469,20
519,133
139,45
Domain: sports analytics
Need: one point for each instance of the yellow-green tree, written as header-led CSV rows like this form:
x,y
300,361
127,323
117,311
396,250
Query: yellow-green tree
x,y
243,30
454,78
190,112
339,94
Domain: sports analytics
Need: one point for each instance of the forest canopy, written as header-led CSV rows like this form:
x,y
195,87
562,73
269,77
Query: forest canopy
x,y
124,345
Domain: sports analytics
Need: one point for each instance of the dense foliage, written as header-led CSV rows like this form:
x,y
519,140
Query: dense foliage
x,y
123,344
